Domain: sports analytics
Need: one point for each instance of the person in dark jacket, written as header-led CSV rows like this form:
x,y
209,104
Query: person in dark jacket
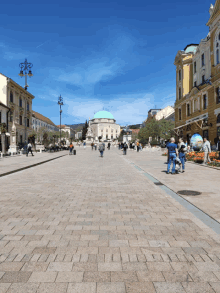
x,y
109,145
125,146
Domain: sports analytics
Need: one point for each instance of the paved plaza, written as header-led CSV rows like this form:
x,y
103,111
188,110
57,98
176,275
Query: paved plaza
x,y
89,224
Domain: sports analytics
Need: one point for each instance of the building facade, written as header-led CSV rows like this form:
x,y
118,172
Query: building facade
x,y
197,107
40,121
104,125
19,101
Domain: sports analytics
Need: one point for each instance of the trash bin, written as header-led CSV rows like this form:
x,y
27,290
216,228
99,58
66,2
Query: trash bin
x,y
74,152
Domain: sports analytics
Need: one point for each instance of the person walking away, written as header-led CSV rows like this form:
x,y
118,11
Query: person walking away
x,y
133,146
182,149
29,149
137,146
109,145
71,149
207,149
84,144
101,149
95,146
92,145
125,148
218,147
173,153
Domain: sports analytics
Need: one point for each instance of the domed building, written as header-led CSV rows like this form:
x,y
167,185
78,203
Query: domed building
x,y
103,124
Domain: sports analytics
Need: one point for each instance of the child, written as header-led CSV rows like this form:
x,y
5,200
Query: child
x,y
178,165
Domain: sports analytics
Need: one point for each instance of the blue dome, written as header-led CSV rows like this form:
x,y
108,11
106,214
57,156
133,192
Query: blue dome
x,y
103,114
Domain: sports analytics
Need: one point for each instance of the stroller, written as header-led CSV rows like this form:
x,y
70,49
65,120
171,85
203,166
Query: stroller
x,y
178,165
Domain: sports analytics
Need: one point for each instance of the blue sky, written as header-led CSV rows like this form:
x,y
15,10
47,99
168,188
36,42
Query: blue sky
x,y
113,54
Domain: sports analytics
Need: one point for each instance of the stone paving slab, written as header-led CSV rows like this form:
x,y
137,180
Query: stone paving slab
x,y
12,163
89,224
196,177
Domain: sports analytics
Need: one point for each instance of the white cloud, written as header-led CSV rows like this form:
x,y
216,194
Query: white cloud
x,y
126,109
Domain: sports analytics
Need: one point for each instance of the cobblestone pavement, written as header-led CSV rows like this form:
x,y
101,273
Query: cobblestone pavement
x,y
197,178
8,164
89,224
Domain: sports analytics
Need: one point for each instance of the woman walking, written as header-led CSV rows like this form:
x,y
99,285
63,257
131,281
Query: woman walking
x,y
182,153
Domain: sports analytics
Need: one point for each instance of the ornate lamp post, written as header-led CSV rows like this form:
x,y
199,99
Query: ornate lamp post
x,y
25,71
60,103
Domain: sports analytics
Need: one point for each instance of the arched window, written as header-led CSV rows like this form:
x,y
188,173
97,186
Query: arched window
x,y
11,97
218,118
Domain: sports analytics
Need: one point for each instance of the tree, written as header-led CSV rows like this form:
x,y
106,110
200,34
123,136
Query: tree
x,y
84,131
157,129
166,129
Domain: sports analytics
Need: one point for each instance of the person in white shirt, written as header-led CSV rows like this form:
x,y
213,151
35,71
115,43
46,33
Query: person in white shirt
x,y
29,146
207,149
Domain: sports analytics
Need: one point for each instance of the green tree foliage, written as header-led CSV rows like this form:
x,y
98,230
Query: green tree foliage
x,y
84,131
157,129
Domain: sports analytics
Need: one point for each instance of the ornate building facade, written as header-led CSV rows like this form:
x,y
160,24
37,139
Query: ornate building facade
x,y
103,125
19,101
197,107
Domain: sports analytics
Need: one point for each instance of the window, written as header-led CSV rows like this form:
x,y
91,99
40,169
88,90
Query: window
x,y
11,116
206,134
20,119
20,102
179,93
203,79
28,106
188,110
195,67
195,83
179,74
204,102
11,97
218,131
28,125
180,114
218,118
218,95
203,59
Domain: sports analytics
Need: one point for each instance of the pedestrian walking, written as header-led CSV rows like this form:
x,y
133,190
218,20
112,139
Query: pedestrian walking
x,y
95,146
84,144
182,149
218,147
207,150
101,149
29,149
137,146
173,153
92,145
125,146
133,146
71,149
109,145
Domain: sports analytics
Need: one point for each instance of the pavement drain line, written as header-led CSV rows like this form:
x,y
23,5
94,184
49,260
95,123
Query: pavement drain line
x,y
200,214
30,166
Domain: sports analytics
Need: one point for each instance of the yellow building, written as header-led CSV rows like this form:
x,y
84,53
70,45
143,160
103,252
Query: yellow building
x,y
20,103
197,106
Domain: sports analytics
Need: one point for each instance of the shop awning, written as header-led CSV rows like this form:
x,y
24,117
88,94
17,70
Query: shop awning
x,y
196,120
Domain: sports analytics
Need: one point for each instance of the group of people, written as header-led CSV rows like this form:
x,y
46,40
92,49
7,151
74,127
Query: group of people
x,y
177,154
123,145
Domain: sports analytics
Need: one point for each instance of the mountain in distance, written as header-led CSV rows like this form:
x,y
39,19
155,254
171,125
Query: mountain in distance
x,y
77,127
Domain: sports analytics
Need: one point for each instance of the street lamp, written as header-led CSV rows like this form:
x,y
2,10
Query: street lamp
x,y
60,102
25,71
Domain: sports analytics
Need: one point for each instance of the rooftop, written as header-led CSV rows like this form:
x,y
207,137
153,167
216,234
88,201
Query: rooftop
x,y
42,118
103,114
